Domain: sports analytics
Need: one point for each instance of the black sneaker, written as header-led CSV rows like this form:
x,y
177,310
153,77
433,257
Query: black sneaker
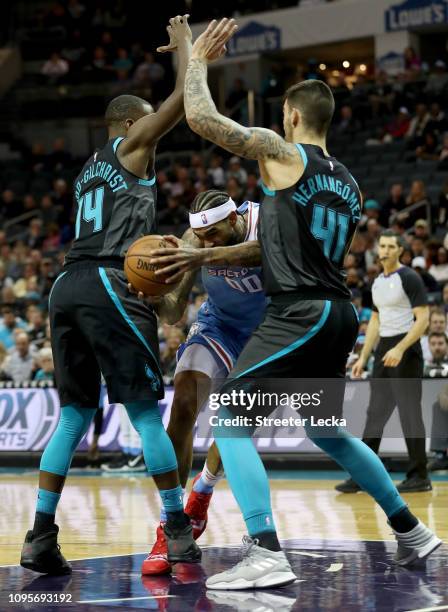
x,y
42,554
415,484
181,545
136,464
117,465
438,463
348,486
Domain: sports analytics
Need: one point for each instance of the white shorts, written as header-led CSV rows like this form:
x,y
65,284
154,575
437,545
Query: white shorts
x,y
199,358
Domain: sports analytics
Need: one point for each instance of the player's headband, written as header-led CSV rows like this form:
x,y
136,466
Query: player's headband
x,y
212,215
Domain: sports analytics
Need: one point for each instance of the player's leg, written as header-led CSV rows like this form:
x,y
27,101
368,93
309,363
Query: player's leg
x,y
381,406
133,378
195,371
415,540
74,362
407,386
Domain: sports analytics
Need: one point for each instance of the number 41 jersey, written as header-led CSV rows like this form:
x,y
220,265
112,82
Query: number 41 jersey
x,y
114,207
306,230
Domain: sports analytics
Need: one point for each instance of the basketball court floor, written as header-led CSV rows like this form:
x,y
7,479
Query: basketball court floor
x,y
340,547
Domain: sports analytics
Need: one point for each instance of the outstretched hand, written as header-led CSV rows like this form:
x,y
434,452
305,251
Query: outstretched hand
x,y
211,44
174,262
178,29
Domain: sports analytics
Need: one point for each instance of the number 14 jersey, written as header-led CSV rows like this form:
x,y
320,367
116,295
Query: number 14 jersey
x,y
113,207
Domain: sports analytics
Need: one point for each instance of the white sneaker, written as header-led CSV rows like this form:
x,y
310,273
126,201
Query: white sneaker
x,y
258,601
259,568
415,545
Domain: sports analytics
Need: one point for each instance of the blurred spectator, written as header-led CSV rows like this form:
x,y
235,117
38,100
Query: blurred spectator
x,y
174,214
394,203
253,191
45,364
10,206
417,196
55,68
123,63
437,365
347,123
443,206
429,150
234,189
419,265
216,172
411,59
3,356
437,120
439,269
236,170
382,95
397,129
9,322
20,363
443,155
149,71
33,237
437,324
437,80
417,126
59,158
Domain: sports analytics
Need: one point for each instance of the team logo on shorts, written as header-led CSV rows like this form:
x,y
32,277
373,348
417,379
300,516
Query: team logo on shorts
x,y
155,383
204,218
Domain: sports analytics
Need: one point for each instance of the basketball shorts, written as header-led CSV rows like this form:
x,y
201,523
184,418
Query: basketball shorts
x,y
307,340
98,327
223,342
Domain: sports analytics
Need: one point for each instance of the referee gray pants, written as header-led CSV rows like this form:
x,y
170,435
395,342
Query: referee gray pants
x,y
399,387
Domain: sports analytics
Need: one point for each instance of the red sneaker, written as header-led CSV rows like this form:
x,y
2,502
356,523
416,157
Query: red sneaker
x,y
156,562
196,508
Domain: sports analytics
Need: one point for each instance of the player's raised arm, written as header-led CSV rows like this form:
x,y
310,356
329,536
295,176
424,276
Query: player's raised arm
x,y
145,132
202,115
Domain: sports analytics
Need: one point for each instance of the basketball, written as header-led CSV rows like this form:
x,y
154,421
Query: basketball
x,y
140,272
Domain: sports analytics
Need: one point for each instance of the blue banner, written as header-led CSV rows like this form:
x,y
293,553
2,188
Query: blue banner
x,y
416,13
254,38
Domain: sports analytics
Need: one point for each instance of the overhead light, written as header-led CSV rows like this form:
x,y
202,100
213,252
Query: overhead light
x,y
322,66
346,64
362,67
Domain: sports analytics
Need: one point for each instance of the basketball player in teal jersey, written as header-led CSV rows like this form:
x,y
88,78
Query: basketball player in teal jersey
x,y
98,327
307,222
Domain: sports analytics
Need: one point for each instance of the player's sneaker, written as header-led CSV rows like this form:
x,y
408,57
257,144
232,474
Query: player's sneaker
x,y
156,563
415,484
259,568
348,486
197,509
42,554
159,588
415,545
125,464
258,601
181,546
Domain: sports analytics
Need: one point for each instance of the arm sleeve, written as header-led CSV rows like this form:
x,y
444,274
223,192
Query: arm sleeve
x,y
414,288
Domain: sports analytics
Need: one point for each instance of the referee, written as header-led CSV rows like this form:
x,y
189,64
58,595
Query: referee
x,y
400,317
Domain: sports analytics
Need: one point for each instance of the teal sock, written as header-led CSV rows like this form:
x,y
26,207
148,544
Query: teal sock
x,y
173,503
47,501
163,514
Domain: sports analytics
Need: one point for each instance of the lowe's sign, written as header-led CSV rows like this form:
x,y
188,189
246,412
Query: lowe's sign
x,y
416,13
254,38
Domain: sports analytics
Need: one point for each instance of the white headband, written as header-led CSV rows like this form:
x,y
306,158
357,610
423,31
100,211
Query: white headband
x,y
212,215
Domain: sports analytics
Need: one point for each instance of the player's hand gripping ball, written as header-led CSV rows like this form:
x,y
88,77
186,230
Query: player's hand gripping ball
x,y
140,273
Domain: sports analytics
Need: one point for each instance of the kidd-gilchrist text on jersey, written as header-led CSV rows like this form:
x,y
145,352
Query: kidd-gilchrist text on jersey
x,y
102,170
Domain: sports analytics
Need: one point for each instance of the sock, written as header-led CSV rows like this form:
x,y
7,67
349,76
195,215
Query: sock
x,y
172,500
268,539
207,481
363,465
47,502
163,513
403,521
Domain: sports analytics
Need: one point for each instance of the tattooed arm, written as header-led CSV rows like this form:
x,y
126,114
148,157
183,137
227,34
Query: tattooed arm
x,y
204,119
